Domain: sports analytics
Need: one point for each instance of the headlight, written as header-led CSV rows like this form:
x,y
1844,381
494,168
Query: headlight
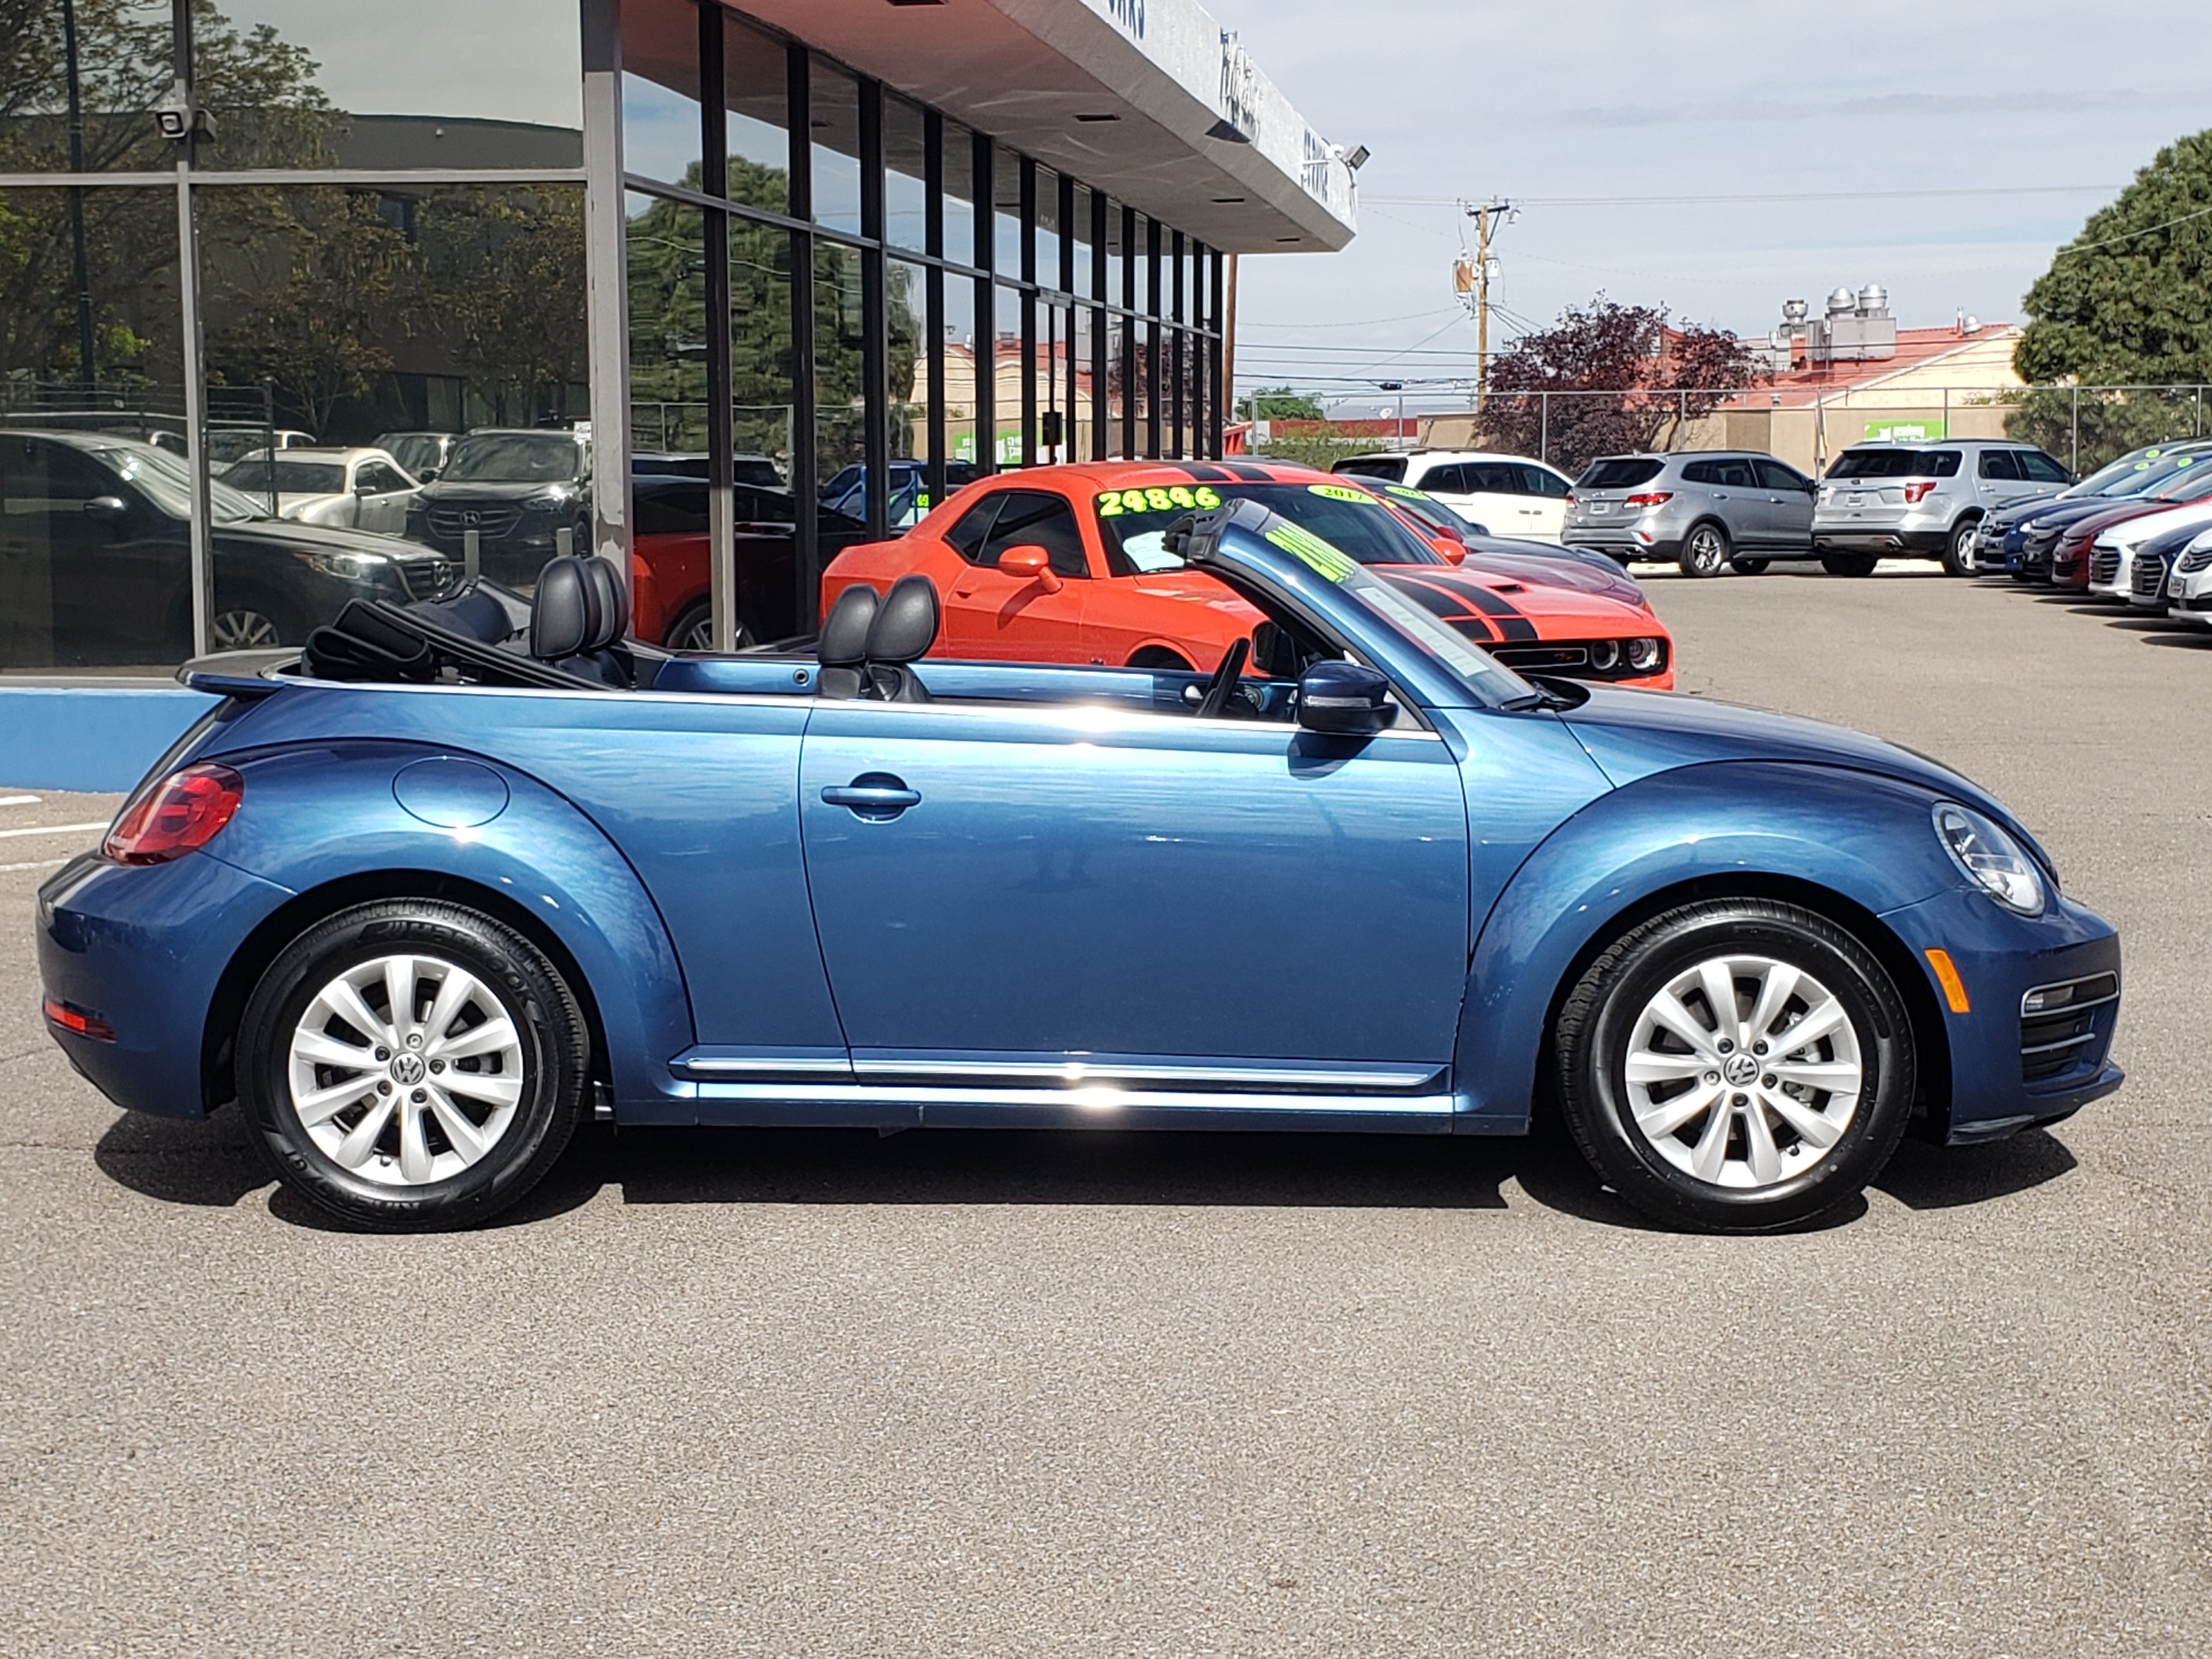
x,y
545,504
1605,655
1998,863
351,565
1643,655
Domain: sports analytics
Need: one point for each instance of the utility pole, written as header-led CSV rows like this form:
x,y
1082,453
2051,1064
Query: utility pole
x,y
1472,283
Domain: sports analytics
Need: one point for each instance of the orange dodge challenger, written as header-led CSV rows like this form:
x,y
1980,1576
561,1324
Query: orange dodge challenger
x,y
1067,564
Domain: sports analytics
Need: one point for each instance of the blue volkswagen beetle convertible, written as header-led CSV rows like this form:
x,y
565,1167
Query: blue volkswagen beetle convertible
x,y
425,897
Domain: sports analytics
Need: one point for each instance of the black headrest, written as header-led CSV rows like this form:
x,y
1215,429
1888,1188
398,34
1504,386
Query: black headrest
x,y
614,604
905,625
844,642
567,612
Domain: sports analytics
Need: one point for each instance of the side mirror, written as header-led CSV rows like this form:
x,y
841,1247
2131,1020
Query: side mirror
x,y
1478,529
107,508
1031,564
1456,554
1345,699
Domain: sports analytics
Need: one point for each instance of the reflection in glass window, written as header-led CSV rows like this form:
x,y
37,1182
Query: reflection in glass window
x,y
405,83
905,221
959,194
835,119
660,90
756,88
1048,227
760,342
667,327
956,351
840,411
905,310
122,72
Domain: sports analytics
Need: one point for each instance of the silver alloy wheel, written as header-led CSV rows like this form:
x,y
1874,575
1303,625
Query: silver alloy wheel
x,y
1743,1072
1707,552
405,1070
242,631
1965,542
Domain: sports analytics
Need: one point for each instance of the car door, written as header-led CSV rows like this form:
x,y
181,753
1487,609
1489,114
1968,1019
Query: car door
x,y
383,494
1494,488
1448,482
992,614
1789,504
119,568
1546,504
1005,891
1997,479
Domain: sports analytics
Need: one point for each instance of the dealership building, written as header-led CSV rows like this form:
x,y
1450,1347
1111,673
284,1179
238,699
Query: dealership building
x,y
797,251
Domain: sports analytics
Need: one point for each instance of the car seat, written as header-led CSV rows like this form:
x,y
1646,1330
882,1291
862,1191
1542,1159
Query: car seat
x,y
577,617
843,650
904,628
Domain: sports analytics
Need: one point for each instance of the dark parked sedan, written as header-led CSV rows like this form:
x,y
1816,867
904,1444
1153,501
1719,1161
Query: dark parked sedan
x,y
95,561
516,492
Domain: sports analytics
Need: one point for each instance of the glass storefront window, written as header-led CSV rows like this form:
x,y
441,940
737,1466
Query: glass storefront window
x,y
122,72
1078,232
756,88
840,414
959,194
1006,214
905,309
405,83
905,194
955,349
660,91
1047,228
667,327
836,122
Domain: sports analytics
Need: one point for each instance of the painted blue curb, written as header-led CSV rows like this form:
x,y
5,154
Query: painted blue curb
x,y
99,738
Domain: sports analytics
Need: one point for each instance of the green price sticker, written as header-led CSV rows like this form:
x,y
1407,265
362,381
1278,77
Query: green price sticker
x,y
1311,551
1114,503
1339,492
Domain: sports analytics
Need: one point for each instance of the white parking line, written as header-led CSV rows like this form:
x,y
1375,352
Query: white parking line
x,y
35,864
20,800
51,829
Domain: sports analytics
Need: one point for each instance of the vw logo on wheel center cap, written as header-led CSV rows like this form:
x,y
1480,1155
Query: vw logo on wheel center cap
x,y
407,1070
1741,1069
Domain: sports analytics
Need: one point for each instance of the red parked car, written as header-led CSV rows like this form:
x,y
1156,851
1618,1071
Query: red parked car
x,y
668,560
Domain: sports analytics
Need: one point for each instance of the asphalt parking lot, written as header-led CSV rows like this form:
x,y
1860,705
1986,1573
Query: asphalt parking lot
x,y
972,1394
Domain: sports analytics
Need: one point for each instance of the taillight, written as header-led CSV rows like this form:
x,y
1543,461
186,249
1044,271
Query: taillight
x,y
84,1022
1571,498
1916,493
1653,498
182,811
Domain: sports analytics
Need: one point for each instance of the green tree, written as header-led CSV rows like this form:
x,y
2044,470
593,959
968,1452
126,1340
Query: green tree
x,y
2127,303
1279,403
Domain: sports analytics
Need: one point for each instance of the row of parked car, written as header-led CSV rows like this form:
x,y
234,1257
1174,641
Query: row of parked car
x,y
1707,510
2138,530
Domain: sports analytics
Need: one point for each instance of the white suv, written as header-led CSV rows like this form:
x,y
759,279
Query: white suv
x,y
1507,495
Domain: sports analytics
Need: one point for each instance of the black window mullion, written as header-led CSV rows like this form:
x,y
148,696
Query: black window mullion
x,y
807,542
1101,440
1152,411
721,438
1177,345
932,211
875,317
1128,332
987,311
1216,342
1028,220
1066,400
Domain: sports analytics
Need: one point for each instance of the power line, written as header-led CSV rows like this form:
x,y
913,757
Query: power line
x,y
2129,235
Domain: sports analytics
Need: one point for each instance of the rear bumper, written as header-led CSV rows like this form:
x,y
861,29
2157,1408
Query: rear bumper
x,y
2006,1073
1891,544
1622,542
143,949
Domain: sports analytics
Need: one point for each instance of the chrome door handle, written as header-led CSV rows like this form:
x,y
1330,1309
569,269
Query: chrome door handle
x,y
872,796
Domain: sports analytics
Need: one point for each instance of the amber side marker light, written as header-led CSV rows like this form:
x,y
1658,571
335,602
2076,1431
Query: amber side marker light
x,y
1946,975
72,1018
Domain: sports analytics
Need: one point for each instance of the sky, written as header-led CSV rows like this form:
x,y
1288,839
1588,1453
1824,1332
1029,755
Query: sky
x,y
2031,114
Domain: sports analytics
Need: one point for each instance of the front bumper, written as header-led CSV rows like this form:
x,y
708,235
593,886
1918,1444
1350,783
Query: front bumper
x,y
143,949
2008,1070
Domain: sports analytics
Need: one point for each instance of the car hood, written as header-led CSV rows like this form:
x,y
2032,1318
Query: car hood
x,y
494,490
2062,513
291,534
1634,734
2157,521
1573,573
1558,612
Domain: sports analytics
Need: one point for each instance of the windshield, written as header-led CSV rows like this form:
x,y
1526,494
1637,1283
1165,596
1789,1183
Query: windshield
x,y
1131,522
1446,519
1481,673
2185,483
289,477
515,458
2133,472
163,478
1392,467
416,452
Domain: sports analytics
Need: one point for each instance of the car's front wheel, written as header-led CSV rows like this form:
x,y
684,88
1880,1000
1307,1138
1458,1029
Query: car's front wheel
x,y
694,631
1736,1066
1704,551
411,1065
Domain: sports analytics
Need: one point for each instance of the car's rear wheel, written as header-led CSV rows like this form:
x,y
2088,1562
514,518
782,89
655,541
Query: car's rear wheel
x,y
410,1065
1704,551
1736,1066
1958,551
694,631
1158,656
1749,567
1848,564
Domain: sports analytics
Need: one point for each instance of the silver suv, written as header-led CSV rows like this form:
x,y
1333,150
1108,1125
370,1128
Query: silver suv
x,y
1899,501
1702,508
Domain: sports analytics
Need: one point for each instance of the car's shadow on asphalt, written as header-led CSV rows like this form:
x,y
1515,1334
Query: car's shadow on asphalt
x,y
211,1163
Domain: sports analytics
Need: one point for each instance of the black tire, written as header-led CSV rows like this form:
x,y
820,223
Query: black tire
x,y
693,630
1598,1022
552,1038
1958,551
1749,567
1848,564
1157,656
1704,549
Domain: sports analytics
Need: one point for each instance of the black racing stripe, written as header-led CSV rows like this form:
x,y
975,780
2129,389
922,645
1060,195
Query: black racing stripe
x,y
1201,473
1245,473
1511,624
